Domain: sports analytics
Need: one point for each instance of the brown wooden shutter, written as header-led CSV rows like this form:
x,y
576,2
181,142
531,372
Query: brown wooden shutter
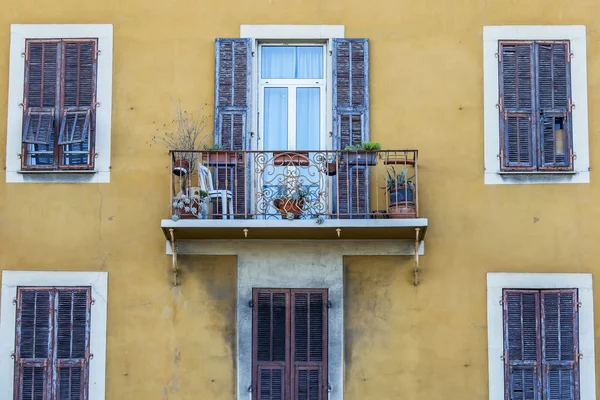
x,y
309,344
271,325
351,119
554,92
560,347
41,101
521,344
233,60
517,104
33,356
53,341
77,127
72,342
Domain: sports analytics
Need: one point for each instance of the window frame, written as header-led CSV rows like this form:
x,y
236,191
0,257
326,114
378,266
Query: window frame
x,y
576,35
59,150
292,85
97,281
15,173
497,282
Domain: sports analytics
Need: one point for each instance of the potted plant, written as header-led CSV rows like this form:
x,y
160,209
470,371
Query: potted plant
x,y
363,153
217,156
401,194
291,203
331,165
189,207
291,158
185,138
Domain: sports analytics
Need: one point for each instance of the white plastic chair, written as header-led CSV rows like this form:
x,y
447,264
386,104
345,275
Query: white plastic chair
x,y
225,196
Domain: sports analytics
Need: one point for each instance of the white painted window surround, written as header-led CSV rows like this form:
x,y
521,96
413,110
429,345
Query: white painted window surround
x,y
98,281
18,35
285,34
496,282
577,37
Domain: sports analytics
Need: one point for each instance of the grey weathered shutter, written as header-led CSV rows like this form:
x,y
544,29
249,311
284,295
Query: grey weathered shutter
x,y
233,60
560,354
72,342
33,358
521,345
78,98
517,106
41,102
270,345
351,119
554,92
309,344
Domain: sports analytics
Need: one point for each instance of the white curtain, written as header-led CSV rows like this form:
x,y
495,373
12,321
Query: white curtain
x,y
292,62
308,118
276,118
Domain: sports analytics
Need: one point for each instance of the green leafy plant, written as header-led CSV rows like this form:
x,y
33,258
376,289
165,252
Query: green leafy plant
x,y
397,179
214,147
364,146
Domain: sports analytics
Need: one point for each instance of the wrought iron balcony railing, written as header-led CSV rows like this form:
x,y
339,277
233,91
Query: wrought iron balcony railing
x,y
336,184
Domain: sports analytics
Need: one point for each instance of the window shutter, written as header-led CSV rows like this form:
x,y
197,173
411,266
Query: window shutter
x,y
233,60
41,92
309,344
517,94
521,345
554,99
560,354
351,117
33,361
270,345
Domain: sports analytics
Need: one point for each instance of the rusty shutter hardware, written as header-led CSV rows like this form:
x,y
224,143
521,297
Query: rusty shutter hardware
x,y
52,343
541,344
289,342
534,98
233,58
59,104
351,120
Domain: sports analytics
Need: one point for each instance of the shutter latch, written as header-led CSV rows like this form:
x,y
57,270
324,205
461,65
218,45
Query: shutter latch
x,y
250,304
250,388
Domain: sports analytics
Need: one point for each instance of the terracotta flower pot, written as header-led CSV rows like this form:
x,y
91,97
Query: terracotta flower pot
x,y
219,158
291,159
361,157
288,206
196,203
402,209
331,169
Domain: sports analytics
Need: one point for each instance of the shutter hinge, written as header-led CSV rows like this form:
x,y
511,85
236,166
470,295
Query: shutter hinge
x,y
571,105
250,388
96,54
578,304
13,355
250,304
578,355
15,300
498,55
569,56
499,104
500,302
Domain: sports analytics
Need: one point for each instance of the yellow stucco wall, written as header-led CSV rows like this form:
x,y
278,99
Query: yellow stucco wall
x,y
428,342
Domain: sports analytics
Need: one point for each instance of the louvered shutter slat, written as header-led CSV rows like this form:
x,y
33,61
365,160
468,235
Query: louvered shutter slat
x,y
351,119
70,382
33,383
559,344
517,111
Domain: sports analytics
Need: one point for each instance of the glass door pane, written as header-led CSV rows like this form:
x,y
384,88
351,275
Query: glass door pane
x,y
308,118
275,118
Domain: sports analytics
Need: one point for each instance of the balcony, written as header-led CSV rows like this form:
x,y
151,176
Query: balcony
x,y
314,195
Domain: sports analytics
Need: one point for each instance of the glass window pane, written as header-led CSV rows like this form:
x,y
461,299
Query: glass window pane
x,y
308,118
292,62
276,119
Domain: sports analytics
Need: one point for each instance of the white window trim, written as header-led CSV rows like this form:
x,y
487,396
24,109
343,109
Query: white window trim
x,y
98,281
496,282
576,35
18,35
323,33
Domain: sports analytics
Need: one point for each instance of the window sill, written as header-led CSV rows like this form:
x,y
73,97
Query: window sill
x,y
537,173
53,171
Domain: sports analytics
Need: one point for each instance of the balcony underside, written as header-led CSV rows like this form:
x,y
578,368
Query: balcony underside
x,y
349,229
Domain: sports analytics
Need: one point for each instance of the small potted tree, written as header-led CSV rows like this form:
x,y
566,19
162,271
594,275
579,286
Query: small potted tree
x,y
364,153
291,203
401,194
